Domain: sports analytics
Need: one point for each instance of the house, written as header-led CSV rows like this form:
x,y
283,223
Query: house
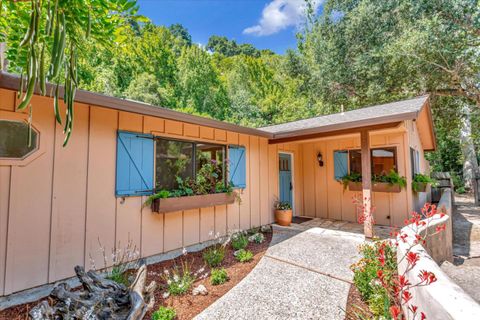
x,y
57,204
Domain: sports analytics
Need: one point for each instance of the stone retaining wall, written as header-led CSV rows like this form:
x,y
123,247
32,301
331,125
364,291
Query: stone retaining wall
x,y
443,299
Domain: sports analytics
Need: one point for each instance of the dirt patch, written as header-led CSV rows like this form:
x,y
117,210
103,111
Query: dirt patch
x,y
356,307
187,306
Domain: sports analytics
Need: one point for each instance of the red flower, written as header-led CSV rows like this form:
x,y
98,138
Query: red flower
x,y
379,274
403,281
395,312
423,316
412,258
427,277
440,228
413,308
406,296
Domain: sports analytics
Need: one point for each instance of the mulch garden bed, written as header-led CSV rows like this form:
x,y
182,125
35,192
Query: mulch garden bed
x,y
356,307
186,306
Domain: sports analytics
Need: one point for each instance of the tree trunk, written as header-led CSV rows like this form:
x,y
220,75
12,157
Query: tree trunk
x,y
470,163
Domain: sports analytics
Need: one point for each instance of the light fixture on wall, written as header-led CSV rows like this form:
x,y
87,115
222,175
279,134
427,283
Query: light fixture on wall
x,y
320,159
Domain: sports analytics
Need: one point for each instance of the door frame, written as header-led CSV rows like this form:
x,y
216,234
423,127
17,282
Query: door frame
x,y
292,158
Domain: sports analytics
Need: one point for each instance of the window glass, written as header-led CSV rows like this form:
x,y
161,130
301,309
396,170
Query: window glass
x,y
14,139
205,153
383,161
173,158
355,158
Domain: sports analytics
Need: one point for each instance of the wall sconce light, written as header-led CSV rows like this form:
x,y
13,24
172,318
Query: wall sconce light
x,y
320,159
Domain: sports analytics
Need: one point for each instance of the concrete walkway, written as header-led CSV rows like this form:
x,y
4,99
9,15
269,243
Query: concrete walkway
x,y
465,269
303,275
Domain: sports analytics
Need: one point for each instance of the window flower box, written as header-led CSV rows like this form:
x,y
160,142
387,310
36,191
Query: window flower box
x,y
420,187
163,205
376,187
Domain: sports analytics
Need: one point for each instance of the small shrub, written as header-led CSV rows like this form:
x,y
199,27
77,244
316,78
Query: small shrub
x,y
379,302
461,190
179,281
239,241
244,255
213,256
257,238
219,276
164,313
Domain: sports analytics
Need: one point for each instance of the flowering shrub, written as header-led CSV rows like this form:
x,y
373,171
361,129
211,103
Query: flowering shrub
x,y
214,255
239,241
256,237
376,274
179,280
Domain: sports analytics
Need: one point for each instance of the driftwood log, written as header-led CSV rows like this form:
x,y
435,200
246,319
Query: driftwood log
x,y
98,299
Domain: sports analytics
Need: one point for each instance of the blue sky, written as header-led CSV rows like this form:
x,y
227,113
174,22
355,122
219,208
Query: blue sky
x,y
267,24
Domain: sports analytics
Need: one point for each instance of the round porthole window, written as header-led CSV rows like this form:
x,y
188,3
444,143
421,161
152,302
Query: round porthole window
x,y
14,139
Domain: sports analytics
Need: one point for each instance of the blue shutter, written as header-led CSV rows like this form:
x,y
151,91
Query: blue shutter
x,y
238,166
340,159
135,158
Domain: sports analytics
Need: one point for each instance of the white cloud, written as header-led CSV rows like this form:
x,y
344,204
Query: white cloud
x,y
280,14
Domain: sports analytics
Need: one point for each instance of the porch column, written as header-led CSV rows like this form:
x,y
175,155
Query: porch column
x,y
366,183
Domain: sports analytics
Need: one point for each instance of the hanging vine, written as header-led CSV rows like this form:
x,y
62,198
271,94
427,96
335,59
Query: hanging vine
x,y
49,47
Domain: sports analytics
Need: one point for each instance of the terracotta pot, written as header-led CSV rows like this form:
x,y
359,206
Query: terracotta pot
x,y
283,217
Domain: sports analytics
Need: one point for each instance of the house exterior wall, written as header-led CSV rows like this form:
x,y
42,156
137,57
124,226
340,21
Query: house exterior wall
x,y
324,197
57,207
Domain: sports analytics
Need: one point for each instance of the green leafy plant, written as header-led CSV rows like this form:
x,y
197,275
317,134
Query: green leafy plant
x,y
420,179
392,178
218,276
282,205
239,241
163,194
351,177
118,275
179,280
164,313
243,255
214,255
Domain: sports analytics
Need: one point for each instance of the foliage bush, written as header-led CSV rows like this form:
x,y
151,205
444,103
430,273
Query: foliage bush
x,y
243,255
257,237
239,241
218,276
179,281
420,179
214,255
164,313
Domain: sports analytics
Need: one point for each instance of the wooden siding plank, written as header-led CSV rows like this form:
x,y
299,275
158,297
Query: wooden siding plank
x,y
7,100
67,242
29,218
4,202
173,231
152,232
272,178
207,224
130,122
191,230
191,130
254,182
101,202
309,180
207,133
151,125
321,173
174,127
245,218
220,220
264,196
334,188
220,135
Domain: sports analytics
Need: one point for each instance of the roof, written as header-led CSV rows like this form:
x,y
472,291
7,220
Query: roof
x,y
374,115
12,82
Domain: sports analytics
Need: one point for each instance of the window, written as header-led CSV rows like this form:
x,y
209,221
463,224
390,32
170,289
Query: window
x,y
14,139
355,158
350,161
383,160
414,161
177,158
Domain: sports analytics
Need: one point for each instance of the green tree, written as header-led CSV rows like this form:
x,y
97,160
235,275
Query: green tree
x,y
181,32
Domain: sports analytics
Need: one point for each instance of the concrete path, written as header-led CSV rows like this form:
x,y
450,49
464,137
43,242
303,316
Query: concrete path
x,y
303,275
465,269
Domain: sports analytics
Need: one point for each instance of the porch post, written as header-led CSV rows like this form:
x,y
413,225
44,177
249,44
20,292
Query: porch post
x,y
366,183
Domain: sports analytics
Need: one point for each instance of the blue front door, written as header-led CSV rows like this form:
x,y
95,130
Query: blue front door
x,y
285,177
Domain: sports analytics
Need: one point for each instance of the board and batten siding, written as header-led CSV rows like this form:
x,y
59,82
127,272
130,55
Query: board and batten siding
x,y
56,210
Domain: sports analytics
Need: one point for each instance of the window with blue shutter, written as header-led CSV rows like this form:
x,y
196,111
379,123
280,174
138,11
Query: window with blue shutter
x,y
135,164
340,161
238,166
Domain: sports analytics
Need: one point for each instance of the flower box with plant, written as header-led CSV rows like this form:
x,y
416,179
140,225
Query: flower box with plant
x,y
391,182
283,213
207,189
421,181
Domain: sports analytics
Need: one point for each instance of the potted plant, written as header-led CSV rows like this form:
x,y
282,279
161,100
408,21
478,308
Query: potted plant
x,y
421,181
283,213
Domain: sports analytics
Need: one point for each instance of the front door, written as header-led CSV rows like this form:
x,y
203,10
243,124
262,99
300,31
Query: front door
x,y
285,178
